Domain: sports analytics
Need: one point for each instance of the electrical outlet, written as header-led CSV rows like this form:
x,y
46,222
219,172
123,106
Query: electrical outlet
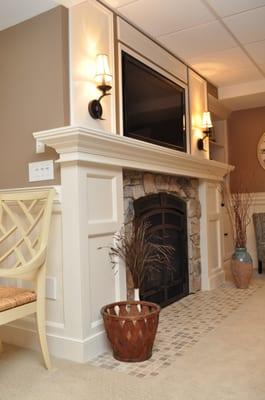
x,y
41,171
51,292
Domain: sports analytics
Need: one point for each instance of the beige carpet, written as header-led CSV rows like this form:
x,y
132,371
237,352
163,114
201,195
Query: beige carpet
x,y
227,363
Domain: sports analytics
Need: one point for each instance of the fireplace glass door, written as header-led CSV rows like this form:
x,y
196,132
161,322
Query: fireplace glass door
x,y
167,218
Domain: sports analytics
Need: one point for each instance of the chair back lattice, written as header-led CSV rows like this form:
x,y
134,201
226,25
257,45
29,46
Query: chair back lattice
x,y
24,226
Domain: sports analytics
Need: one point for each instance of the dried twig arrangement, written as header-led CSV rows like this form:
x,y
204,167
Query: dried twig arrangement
x,y
238,208
139,253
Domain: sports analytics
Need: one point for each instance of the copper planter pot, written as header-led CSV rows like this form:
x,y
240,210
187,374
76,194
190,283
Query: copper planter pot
x,y
131,328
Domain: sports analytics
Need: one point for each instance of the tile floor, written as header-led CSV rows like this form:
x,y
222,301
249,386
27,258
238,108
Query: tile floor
x,y
181,325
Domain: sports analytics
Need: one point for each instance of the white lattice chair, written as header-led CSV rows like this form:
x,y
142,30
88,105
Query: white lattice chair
x,y
24,227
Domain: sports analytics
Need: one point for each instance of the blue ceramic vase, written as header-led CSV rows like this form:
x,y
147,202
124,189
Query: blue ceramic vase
x,y
242,267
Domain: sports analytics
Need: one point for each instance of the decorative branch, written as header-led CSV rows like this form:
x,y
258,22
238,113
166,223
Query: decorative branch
x,y
238,207
139,252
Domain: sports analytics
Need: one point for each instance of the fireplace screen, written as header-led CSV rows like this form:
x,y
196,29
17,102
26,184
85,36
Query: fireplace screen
x,y
167,217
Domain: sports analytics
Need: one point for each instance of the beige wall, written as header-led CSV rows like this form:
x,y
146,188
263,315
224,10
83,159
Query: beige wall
x,y
34,92
245,129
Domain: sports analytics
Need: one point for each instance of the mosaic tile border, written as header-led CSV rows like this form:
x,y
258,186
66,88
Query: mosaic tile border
x,y
181,326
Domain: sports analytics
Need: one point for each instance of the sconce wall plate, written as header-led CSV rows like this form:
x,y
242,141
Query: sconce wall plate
x,y
200,143
95,109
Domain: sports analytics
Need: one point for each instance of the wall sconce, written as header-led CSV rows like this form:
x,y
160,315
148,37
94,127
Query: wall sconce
x,y
103,78
206,128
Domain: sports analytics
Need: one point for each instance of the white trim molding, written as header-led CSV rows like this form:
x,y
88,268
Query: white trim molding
x,y
94,146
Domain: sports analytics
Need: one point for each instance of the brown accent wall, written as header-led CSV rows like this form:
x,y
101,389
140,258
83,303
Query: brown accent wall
x,y
34,92
245,129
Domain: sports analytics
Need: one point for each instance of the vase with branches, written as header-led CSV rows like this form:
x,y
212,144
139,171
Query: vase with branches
x,y
141,254
238,205
137,249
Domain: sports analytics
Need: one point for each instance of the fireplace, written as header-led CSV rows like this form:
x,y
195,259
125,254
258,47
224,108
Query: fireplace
x,y
171,205
102,174
166,215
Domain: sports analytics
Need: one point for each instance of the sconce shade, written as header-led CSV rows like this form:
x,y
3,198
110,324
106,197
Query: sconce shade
x,y
103,76
206,120
103,79
206,128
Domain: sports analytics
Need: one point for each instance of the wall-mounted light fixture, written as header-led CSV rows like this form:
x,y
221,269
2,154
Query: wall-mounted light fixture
x,y
206,128
103,78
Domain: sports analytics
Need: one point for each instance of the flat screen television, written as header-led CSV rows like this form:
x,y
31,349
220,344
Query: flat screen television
x,y
153,105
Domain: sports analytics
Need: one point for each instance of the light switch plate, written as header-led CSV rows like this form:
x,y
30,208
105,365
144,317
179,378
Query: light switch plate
x,y
41,171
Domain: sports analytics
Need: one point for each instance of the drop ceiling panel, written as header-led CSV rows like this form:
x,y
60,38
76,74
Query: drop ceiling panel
x,y
229,7
262,66
203,39
257,51
236,76
159,18
221,63
248,26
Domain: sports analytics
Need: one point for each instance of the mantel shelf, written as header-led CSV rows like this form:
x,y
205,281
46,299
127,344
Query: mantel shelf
x,y
82,145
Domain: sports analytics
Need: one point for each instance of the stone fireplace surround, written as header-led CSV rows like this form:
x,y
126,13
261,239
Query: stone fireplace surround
x,y
93,190
138,184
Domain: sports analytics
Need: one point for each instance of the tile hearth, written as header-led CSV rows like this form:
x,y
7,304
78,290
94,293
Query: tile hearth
x,y
181,326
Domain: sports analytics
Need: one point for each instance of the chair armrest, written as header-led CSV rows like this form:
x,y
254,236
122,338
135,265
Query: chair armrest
x,y
34,264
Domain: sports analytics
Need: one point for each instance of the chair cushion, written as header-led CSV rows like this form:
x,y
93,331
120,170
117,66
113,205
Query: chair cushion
x,y
11,297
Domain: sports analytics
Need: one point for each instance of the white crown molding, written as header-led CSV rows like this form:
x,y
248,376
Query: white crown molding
x,y
76,144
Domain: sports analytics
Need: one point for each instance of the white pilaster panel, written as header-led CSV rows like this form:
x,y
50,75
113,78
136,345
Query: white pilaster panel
x,y
104,217
211,236
198,104
90,33
73,243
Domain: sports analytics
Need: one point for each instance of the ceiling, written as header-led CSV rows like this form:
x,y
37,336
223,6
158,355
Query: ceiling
x,y
224,40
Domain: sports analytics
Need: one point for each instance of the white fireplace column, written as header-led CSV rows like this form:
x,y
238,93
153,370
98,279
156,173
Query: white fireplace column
x,y
92,211
211,233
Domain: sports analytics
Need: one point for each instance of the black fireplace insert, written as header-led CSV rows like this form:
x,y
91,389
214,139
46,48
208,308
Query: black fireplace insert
x,y
166,215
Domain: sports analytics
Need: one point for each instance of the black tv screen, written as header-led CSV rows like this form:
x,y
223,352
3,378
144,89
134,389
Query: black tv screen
x,y
153,106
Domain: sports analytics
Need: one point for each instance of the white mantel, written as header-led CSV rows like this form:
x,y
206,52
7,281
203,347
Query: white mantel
x,y
92,164
94,146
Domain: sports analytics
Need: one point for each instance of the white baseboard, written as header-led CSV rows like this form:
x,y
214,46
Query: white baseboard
x,y
78,350
216,279
95,345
